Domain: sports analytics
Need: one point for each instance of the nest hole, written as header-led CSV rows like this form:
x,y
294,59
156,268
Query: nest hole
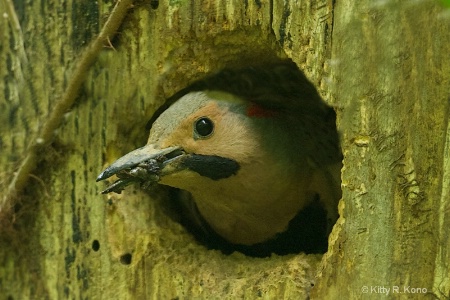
x,y
308,231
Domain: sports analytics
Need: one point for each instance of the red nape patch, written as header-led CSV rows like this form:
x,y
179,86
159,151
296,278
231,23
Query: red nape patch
x,y
254,110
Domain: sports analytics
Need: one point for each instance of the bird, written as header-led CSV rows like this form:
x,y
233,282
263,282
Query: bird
x,y
252,156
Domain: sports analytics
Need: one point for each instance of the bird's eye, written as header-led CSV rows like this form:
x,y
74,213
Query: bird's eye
x,y
203,127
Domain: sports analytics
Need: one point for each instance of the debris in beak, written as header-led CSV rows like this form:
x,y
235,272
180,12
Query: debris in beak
x,y
142,166
146,171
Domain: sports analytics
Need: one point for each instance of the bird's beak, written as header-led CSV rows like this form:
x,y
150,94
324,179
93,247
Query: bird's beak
x,y
144,164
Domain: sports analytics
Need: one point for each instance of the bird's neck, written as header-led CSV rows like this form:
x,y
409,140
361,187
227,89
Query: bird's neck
x,y
266,209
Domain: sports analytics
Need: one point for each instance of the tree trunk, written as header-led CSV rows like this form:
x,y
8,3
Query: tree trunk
x,y
392,85
384,66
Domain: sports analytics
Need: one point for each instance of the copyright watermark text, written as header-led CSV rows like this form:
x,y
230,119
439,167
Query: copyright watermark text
x,y
394,289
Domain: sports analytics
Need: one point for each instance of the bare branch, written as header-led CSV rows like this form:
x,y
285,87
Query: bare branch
x,y
53,121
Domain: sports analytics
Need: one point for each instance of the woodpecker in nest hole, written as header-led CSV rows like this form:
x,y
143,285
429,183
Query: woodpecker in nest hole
x,y
254,156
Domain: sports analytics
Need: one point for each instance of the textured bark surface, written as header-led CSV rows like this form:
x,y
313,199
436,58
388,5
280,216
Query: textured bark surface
x,y
383,64
391,81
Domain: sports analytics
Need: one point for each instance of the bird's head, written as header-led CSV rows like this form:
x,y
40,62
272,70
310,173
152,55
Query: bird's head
x,y
208,135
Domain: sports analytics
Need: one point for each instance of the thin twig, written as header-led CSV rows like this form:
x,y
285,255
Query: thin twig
x,y
17,32
53,121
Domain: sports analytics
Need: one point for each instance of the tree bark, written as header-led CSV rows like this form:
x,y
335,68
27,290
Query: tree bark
x,y
384,66
391,82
